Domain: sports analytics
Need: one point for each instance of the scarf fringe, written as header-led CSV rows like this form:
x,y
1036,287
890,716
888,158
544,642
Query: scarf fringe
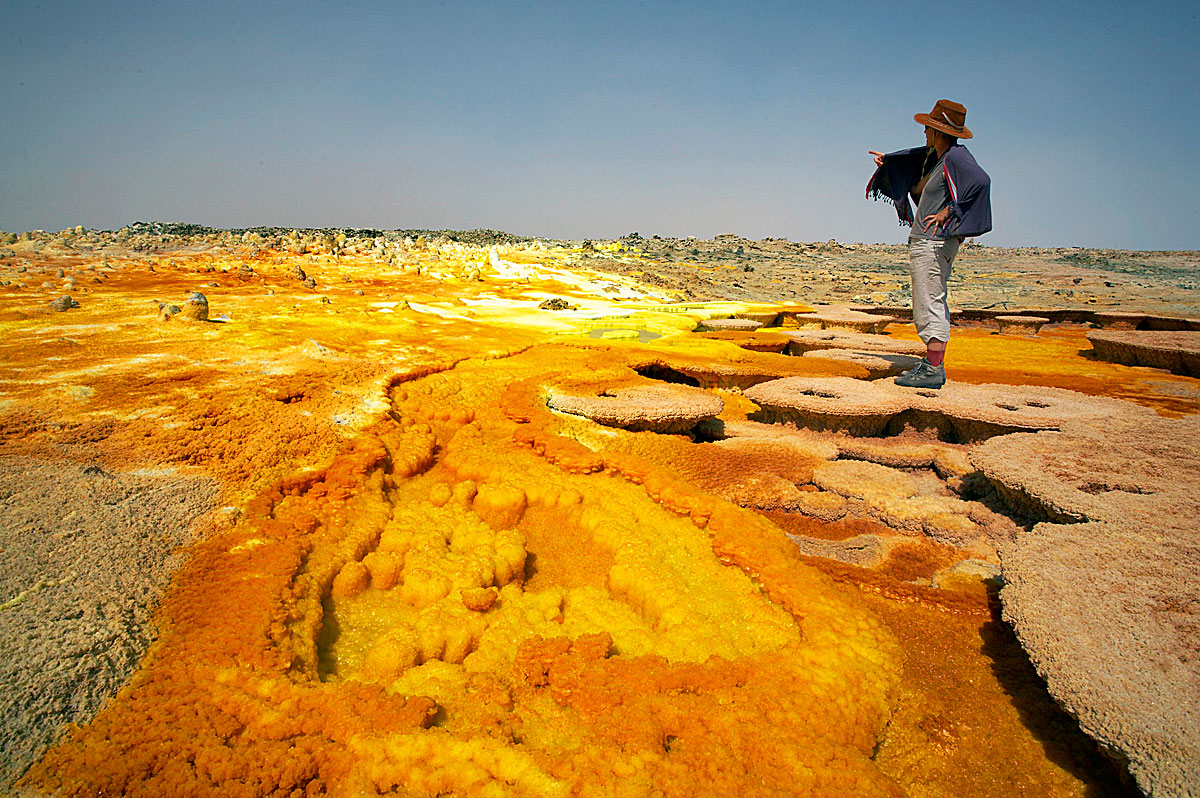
x,y
878,196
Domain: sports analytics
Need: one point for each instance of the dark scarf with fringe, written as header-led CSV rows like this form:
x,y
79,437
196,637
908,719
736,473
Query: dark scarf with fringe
x,y
900,172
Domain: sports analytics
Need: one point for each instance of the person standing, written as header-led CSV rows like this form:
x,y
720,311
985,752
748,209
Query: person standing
x,y
953,196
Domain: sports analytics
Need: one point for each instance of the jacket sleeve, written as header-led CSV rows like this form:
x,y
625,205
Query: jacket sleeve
x,y
970,195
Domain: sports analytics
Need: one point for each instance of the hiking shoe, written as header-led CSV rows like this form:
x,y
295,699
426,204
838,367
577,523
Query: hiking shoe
x,y
923,375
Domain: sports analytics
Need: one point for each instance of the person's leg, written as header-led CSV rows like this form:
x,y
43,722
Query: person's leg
x,y
938,328
929,268
922,267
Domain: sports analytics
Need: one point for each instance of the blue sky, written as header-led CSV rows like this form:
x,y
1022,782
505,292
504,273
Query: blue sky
x,y
581,120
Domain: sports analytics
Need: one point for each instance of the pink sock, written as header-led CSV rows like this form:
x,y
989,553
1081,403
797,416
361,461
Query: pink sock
x,y
935,352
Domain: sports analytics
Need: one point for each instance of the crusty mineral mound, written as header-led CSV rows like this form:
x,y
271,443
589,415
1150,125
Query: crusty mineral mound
x,y
865,551
1117,320
1098,473
877,364
838,318
894,498
1109,616
747,369
828,403
978,412
807,340
1021,325
1107,607
1177,351
756,341
717,325
658,408
960,412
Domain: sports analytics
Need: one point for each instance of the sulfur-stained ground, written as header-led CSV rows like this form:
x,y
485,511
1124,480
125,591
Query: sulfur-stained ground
x,y
405,574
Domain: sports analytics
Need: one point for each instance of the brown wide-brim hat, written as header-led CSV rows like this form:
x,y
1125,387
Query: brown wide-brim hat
x,y
948,117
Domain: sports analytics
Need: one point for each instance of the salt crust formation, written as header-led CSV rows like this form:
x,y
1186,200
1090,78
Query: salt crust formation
x,y
74,626
837,318
1178,352
1021,325
654,407
761,340
765,317
1116,320
865,551
802,341
740,371
1103,597
718,325
958,412
843,476
877,364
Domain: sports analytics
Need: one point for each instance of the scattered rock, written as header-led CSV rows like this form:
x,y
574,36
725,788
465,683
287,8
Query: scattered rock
x,y
555,303
299,273
358,292
309,282
63,303
166,311
195,308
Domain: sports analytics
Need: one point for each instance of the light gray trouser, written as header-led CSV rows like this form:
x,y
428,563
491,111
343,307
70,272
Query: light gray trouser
x,y
929,264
